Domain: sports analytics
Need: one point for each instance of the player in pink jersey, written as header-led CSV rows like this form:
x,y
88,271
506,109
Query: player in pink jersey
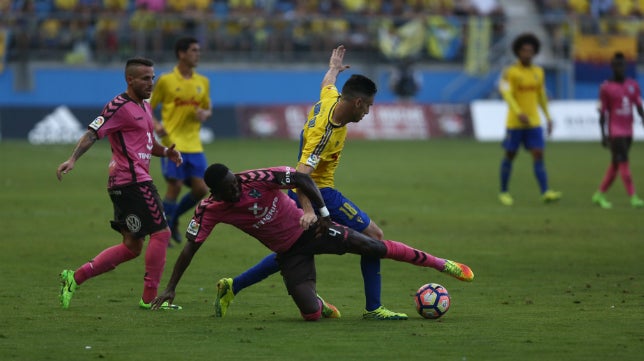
x,y
254,202
127,123
617,98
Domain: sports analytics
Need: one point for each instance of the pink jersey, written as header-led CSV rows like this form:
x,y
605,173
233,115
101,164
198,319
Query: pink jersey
x,y
617,101
264,211
128,127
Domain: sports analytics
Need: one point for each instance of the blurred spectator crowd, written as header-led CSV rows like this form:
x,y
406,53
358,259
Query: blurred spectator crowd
x,y
564,19
79,31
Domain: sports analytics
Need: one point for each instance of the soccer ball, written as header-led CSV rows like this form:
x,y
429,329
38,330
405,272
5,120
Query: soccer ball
x,y
432,300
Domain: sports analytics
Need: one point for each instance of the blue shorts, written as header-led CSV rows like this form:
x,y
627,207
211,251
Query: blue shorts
x,y
341,209
531,138
194,165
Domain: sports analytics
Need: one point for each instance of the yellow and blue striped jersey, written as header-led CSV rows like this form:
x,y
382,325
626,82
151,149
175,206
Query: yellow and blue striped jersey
x,y
321,142
179,99
523,88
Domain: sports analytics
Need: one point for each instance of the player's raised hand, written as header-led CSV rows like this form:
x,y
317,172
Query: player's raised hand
x,y
64,168
337,57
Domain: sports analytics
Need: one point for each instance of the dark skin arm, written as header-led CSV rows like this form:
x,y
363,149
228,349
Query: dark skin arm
x,y
183,261
307,187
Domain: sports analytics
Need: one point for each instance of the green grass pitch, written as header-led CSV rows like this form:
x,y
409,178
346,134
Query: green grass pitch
x,y
553,282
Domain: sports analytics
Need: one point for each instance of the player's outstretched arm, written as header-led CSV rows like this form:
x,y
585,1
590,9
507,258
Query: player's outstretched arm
x,y
84,143
182,263
335,66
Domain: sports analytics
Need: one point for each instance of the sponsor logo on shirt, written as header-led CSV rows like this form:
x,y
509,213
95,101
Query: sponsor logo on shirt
x,y
267,216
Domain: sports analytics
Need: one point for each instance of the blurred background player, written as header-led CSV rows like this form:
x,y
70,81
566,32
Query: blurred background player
x,y
184,96
321,144
522,86
127,123
617,97
295,235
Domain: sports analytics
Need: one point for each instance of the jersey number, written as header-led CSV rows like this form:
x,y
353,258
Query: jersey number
x,y
348,210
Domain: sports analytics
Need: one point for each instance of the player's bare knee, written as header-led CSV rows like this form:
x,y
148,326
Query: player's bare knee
x,y
374,231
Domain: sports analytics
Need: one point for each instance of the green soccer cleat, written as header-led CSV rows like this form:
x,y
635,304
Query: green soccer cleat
x,y
67,288
636,202
381,313
225,296
329,310
458,270
550,196
600,200
164,306
506,199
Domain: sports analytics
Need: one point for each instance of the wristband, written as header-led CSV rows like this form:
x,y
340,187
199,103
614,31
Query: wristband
x,y
324,212
165,151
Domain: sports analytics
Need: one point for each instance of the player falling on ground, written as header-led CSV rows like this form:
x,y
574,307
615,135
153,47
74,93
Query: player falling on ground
x,y
321,144
126,121
617,98
253,201
523,87
184,96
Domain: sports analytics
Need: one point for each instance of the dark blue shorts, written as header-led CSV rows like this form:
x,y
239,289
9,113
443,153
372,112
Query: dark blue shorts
x,y
194,165
342,210
531,138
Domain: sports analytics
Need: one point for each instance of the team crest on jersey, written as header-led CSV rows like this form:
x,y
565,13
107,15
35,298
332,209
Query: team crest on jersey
x,y
193,228
198,90
97,123
254,193
631,89
133,223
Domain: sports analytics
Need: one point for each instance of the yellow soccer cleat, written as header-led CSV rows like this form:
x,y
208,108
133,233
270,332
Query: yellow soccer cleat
x,y
550,196
383,314
506,199
225,296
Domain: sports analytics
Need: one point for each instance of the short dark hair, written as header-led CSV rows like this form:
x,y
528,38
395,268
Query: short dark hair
x,y
214,175
358,85
526,38
138,61
132,62
618,56
183,44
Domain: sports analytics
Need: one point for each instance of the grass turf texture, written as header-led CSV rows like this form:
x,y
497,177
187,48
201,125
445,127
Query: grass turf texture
x,y
558,281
